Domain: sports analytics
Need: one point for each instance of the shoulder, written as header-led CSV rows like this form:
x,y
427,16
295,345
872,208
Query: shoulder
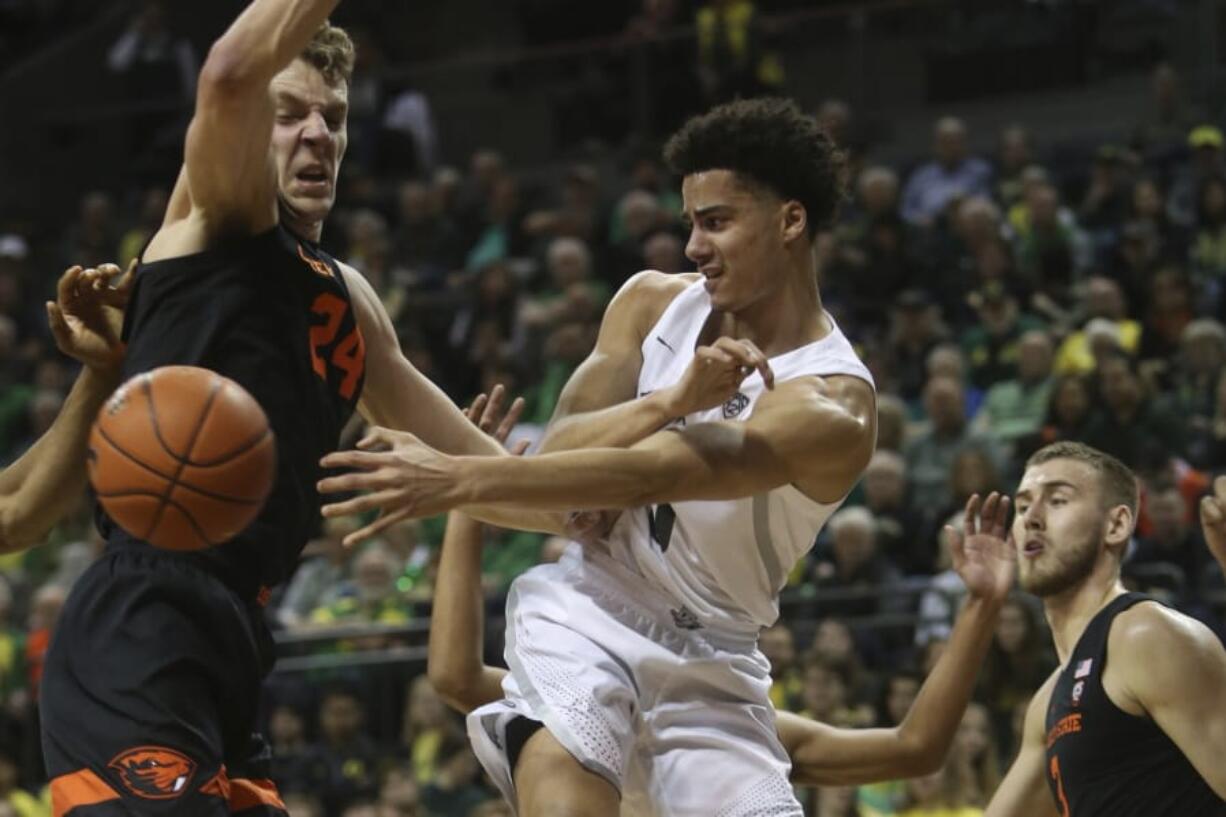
x,y
643,298
843,399
1148,631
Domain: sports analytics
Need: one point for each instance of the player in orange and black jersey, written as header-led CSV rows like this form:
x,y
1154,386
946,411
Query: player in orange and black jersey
x,y
152,681
1132,723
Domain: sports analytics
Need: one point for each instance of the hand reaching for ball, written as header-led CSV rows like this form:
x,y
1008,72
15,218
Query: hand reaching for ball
x,y
86,317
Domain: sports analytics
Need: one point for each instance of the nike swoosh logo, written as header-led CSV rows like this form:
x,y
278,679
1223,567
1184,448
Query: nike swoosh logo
x,y
664,343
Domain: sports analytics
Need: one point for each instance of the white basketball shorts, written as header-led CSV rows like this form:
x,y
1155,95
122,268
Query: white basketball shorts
x,y
678,720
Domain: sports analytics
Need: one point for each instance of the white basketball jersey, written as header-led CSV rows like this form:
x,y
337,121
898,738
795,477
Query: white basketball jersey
x,y
725,562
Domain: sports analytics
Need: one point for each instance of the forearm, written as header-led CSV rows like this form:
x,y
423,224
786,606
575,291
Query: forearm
x,y
930,725
37,489
457,621
265,38
615,427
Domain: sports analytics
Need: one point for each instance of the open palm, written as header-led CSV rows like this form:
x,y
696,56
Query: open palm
x,y
981,551
87,315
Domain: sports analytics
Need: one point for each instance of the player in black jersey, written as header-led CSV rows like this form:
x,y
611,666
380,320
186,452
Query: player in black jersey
x,y
1132,722
152,682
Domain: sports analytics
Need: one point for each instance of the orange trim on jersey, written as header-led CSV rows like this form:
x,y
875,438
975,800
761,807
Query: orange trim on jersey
x,y
318,267
246,794
79,788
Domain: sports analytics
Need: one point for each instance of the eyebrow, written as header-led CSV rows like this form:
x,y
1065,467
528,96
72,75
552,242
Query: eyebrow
x,y
337,107
1054,485
705,211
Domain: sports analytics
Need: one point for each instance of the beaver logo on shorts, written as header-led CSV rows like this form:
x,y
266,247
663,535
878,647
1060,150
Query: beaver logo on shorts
x,y
734,405
154,772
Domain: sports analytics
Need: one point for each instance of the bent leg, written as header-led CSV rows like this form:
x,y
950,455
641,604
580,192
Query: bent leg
x,y
550,782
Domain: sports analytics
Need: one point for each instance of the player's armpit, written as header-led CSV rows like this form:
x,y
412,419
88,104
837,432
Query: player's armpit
x,y
1024,791
598,406
1175,668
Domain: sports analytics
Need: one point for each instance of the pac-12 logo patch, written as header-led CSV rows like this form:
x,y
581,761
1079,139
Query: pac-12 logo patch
x,y
734,405
154,772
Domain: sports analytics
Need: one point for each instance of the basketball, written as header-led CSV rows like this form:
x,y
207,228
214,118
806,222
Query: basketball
x,y
182,457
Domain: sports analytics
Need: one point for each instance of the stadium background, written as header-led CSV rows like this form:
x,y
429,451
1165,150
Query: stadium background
x,y
1056,273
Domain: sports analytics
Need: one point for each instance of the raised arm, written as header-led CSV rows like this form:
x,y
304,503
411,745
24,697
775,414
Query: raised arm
x,y
1024,791
824,755
226,154
47,479
812,432
1174,668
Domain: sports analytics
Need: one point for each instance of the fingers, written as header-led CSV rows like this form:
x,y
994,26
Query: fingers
x,y
1219,488
1001,523
362,460
509,422
493,409
66,288
972,511
474,412
59,326
1211,510
361,504
384,521
380,437
520,447
749,356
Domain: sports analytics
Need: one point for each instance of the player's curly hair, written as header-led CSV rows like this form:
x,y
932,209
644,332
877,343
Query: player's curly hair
x,y
331,51
771,142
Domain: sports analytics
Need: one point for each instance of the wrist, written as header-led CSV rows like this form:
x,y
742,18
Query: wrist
x,y
667,403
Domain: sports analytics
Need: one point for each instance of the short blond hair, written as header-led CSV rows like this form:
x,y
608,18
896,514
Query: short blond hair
x,y
331,51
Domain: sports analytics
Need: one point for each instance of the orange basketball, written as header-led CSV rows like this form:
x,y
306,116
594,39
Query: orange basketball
x,y
182,457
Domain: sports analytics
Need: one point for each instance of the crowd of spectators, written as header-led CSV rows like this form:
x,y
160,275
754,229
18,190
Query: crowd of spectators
x,y
1002,301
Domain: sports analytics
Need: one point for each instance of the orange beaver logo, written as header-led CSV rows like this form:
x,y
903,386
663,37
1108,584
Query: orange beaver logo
x,y
154,772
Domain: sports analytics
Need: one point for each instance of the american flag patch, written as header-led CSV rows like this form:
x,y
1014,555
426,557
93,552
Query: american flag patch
x,y
1083,669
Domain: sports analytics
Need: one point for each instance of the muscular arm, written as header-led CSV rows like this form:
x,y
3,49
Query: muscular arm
x,y
1175,669
457,622
1024,791
398,396
598,406
824,755
799,433
226,153
38,489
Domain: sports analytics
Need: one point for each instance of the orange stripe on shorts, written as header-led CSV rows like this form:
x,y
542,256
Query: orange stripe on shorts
x,y
79,788
246,793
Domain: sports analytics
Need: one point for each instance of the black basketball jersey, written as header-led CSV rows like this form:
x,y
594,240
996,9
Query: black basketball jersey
x,y
271,312
1104,762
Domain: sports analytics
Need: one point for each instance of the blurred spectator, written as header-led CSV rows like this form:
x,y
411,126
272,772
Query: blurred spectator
x,y
1048,247
940,794
952,174
1018,662
1130,418
426,724
1101,298
409,139
835,646
1105,205
940,601
149,219
1172,540
426,243
886,495
891,423
92,239
1014,156
302,804
837,801
993,344
22,802
898,694
778,644
853,562
732,58
1185,200
640,217
1169,310
664,252
454,791
1160,131
946,360
324,566
399,795
293,758
576,212
44,614
930,456
1208,252
824,697
370,596
974,757
12,649
1016,408
915,329
1149,208
346,759
1194,378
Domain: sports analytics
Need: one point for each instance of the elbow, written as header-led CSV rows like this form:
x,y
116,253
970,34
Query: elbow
x,y
917,756
455,688
228,71
15,536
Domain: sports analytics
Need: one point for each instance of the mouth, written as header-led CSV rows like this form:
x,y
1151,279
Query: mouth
x,y
1033,548
313,179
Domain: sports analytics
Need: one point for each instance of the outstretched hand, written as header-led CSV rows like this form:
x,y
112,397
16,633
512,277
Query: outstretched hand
x,y
486,414
86,317
1213,520
982,552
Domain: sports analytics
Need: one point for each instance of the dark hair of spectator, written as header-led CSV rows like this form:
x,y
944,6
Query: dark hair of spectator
x,y
769,142
1118,483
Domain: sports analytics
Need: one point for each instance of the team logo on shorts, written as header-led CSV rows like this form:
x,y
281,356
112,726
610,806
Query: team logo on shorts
x,y
154,772
734,405
685,619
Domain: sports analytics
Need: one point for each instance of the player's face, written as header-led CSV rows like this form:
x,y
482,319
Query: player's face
x,y
309,137
1059,525
736,237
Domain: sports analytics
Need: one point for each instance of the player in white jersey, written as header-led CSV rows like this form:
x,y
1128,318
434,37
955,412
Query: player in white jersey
x,y
728,411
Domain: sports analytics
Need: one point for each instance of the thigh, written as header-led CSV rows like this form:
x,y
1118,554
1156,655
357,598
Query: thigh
x,y
550,782
710,749
140,711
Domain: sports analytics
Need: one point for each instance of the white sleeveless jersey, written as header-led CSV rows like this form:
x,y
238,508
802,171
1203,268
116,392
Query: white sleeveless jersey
x,y
725,562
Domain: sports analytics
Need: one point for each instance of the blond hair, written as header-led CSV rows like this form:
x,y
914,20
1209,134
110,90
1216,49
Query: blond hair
x,y
331,51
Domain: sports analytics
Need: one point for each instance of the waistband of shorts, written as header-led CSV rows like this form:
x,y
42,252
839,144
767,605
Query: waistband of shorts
x,y
607,574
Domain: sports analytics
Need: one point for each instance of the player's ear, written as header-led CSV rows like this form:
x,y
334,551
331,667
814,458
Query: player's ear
x,y
795,221
1119,526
